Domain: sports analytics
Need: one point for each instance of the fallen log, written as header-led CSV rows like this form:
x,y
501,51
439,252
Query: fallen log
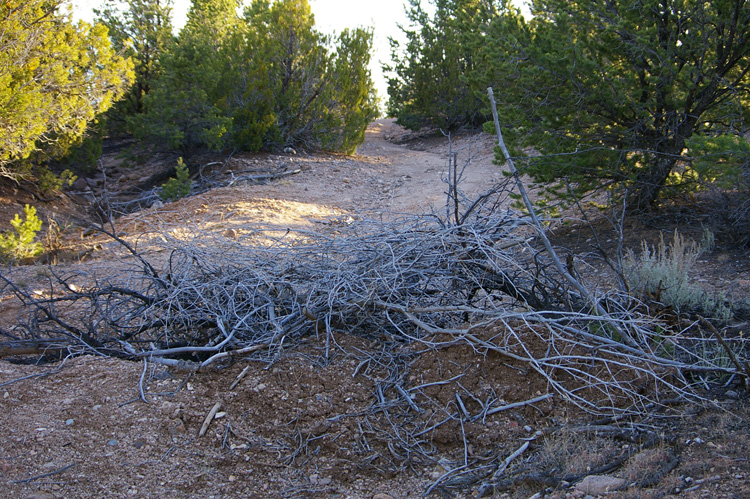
x,y
33,347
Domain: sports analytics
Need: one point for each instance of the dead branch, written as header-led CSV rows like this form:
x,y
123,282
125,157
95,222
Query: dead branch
x,y
209,417
34,347
540,229
261,178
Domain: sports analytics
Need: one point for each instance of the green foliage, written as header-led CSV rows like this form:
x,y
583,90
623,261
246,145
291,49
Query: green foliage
x,y
722,160
438,77
19,243
663,272
179,186
352,103
85,153
141,30
607,94
265,80
49,183
55,77
618,88
181,118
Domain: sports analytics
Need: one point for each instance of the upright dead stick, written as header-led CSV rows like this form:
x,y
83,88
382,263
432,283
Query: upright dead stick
x,y
542,234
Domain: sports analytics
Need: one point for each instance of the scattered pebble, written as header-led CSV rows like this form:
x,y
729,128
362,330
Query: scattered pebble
x,y
112,442
69,422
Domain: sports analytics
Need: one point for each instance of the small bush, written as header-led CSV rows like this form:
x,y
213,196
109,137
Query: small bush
x,y
19,243
49,183
662,272
179,186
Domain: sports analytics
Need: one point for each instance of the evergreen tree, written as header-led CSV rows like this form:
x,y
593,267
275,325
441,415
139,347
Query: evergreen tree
x,y
611,93
614,90
285,43
55,77
433,76
351,99
262,81
142,30
184,110
319,99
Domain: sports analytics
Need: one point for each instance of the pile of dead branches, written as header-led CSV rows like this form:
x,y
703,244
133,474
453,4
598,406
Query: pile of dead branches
x,y
415,279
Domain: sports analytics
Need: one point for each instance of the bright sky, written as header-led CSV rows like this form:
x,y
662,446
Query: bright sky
x,y
330,16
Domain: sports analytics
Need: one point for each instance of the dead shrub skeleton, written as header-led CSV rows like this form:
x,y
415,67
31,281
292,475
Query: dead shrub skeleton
x,y
477,278
417,278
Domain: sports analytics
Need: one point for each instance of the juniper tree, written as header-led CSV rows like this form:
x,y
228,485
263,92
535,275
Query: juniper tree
x,y
55,77
614,90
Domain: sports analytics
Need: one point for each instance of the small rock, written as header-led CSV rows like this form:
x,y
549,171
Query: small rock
x,y
112,442
599,484
731,394
69,422
79,185
382,496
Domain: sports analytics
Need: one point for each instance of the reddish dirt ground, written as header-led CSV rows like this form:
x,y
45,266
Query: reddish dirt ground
x,y
314,423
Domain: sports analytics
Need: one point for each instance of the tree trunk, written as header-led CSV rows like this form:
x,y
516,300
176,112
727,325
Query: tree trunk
x,y
649,182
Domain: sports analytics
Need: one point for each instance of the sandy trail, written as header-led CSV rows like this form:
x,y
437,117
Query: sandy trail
x,y
419,175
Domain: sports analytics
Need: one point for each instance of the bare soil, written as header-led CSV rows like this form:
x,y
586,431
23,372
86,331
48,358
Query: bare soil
x,y
304,425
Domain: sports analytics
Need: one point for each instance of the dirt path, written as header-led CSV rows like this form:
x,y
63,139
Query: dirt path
x,y
404,177
418,173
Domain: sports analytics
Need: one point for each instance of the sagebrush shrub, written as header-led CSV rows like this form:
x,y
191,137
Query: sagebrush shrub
x,y
663,271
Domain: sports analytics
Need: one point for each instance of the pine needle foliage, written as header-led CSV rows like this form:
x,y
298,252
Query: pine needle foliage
x,y
20,242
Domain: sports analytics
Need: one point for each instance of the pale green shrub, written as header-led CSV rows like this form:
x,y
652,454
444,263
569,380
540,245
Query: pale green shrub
x,y
663,272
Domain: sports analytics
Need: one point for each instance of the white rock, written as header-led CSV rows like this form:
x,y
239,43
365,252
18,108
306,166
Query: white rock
x,y
598,484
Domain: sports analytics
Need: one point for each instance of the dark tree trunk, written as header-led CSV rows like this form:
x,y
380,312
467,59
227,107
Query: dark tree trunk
x,y
649,182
